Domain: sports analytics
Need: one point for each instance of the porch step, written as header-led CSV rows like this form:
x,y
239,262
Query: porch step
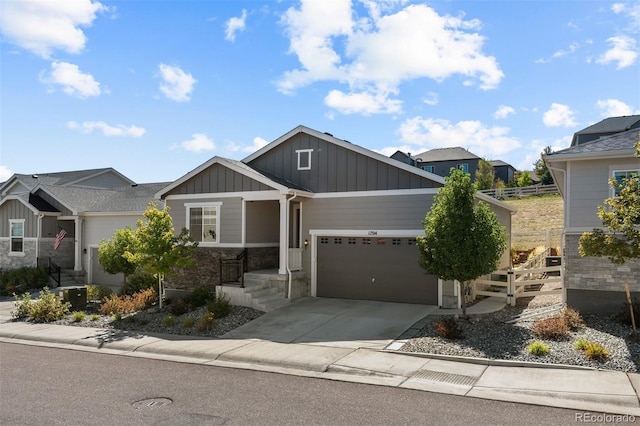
x,y
261,291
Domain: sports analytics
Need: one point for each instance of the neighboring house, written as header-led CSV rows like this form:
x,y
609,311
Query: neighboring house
x,y
440,161
607,127
503,171
582,174
342,216
89,205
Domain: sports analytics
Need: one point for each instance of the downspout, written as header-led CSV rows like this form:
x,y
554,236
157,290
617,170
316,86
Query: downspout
x,y
287,259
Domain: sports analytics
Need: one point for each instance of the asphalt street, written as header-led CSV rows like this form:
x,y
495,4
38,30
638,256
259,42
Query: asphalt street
x,y
62,387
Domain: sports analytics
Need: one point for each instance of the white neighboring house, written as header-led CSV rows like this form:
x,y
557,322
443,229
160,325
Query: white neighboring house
x,y
89,205
582,174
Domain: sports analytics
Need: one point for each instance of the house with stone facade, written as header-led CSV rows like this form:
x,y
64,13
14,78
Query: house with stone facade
x,y
582,174
89,205
310,215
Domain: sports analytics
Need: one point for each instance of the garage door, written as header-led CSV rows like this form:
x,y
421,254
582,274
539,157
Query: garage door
x,y
384,269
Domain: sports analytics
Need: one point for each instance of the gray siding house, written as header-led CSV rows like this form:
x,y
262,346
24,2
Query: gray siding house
x,y
328,217
582,174
89,205
607,127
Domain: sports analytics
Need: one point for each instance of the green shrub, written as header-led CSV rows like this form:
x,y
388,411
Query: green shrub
x,y
22,279
188,322
447,328
137,282
46,308
98,292
538,348
624,315
117,316
201,296
205,322
581,344
179,307
220,307
592,350
77,316
94,317
169,321
551,328
572,318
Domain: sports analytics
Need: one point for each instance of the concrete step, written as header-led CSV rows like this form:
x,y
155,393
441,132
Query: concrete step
x,y
258,293
275,304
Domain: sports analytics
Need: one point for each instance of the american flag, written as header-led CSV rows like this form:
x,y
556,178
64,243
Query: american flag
x,y
59,237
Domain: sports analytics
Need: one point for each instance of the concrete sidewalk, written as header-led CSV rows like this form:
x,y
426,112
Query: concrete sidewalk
x,y
578,389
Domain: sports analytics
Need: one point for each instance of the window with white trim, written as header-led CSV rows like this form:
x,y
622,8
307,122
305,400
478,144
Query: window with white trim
x,y
430,169
621,175
203,221
463,166
16,230
304,159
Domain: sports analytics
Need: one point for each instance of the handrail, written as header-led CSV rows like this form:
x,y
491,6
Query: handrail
x,y
232,270
53,270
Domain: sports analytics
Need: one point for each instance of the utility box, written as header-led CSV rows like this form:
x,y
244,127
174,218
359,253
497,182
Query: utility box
x,y
553,261
76,296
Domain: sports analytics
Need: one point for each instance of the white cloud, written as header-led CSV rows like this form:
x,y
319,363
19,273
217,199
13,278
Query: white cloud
x,y
377,53
198,142
42,26
503,111
233,25
571,49
5,173
258,143
73,81
535,149
632,11
431,99
176,85
362,103
624,52
558,115
107,129
614,108
482,140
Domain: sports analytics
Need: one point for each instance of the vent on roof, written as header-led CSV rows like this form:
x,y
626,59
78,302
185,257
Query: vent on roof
x,y
34,176
327,133
133,185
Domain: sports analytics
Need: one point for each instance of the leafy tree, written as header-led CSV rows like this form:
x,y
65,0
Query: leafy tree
x,y
463,239
111,253
524,179
157,249
484,175
541,170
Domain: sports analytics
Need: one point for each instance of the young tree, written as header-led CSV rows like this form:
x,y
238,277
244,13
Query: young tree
x,y
524,179
157,250
111,253
484,175
463,239
541,170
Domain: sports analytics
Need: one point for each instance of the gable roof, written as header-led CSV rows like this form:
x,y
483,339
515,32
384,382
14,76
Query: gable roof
x,y
76,177
445,154
500,163
234,165
618,144
608,126
347,145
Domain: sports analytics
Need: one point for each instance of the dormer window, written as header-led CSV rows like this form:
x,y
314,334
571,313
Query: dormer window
x,y
304,159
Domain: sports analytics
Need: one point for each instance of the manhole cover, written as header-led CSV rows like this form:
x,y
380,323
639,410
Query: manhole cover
x,y
151,403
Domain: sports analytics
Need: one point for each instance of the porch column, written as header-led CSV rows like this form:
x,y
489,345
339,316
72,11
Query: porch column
x,y
284,244
77,265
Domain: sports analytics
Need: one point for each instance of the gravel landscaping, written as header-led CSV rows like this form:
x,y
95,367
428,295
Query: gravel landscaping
x,y
490,336
152,321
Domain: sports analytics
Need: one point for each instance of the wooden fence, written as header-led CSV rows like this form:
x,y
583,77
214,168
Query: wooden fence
x,y
525,281
504,193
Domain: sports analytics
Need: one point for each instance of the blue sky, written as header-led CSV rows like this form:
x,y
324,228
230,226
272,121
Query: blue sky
x,y
155,88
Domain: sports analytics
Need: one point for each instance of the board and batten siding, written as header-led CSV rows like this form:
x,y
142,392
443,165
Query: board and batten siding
x,y
589,187
218,178
230,226
334,168
14,209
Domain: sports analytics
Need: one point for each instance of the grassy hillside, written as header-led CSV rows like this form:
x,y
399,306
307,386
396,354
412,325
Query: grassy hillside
x,y
537,213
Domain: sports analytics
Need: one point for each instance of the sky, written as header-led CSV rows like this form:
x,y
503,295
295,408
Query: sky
x,y
156,88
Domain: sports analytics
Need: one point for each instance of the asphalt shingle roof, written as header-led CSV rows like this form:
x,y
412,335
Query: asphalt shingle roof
x,y
445,154
611,124
624,141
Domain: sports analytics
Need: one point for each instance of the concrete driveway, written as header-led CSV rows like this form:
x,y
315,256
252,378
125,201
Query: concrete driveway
x,y
334,322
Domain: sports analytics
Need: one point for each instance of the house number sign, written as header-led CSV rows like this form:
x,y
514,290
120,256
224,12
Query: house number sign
x,y
373,233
